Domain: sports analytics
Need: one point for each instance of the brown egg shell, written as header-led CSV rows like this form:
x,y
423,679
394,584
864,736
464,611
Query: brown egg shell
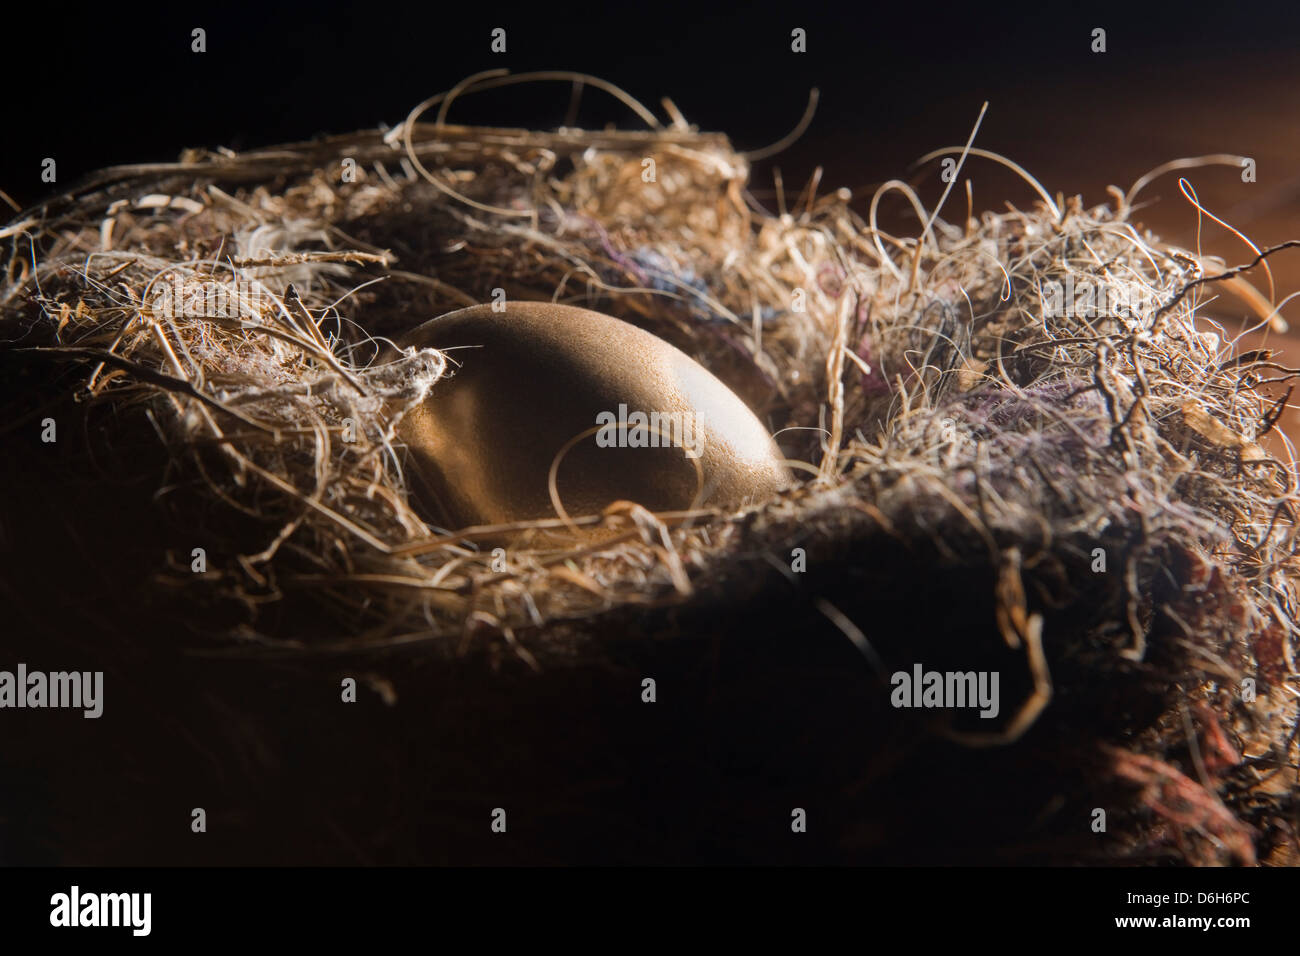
x,y
529,380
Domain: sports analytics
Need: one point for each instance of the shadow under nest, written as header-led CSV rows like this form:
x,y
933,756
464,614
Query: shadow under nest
x,y
971,453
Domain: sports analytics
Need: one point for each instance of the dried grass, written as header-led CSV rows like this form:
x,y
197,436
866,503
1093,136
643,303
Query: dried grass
x,y
935,399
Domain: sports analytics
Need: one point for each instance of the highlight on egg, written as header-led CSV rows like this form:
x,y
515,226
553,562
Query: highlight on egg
x,y
554,411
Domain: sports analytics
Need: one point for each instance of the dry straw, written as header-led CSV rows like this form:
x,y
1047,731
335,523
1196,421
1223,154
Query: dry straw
x,y
940,398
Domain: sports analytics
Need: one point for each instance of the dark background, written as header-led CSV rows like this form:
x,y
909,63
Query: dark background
x,y
117,84
120,85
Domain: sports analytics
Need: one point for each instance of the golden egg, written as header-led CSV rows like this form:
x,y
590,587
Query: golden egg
x,y
609,410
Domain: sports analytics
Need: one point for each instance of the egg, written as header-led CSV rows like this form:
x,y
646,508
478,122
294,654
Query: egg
x,y
616,412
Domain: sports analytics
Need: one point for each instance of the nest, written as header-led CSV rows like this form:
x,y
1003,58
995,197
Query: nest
x,y
1077,497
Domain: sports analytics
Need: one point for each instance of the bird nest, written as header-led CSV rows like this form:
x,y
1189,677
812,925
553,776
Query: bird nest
x,y
996,472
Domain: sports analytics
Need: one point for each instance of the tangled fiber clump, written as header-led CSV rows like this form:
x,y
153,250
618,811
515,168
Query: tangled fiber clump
x,y
1096,473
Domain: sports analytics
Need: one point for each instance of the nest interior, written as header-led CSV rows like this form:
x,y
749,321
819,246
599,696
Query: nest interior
x,y
1076,498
